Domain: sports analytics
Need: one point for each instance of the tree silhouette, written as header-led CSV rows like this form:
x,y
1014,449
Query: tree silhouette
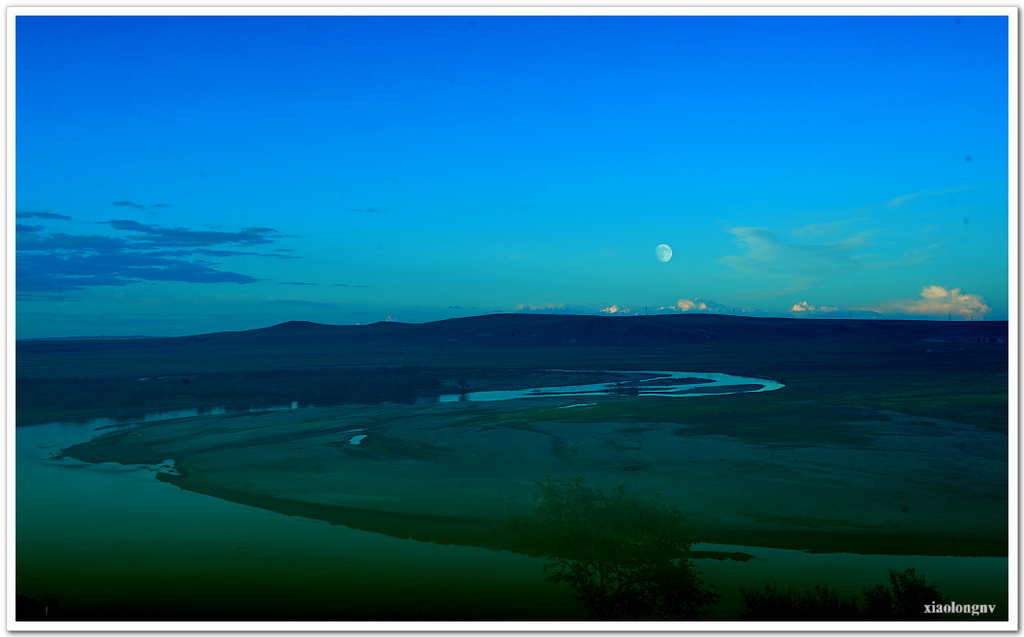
x,y
906,599
626,558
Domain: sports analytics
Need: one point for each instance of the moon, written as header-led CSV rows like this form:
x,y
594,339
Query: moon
x,y
663,252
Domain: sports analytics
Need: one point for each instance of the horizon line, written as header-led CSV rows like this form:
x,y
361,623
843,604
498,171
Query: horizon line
x,y
875,318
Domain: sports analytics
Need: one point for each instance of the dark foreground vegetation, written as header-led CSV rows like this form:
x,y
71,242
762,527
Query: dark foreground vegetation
x,y
629,559
905,598
626,558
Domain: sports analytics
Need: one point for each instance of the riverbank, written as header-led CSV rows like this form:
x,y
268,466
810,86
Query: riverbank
x,y
804,475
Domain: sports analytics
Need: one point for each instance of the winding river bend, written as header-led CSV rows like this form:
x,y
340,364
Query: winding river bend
x,y
672,384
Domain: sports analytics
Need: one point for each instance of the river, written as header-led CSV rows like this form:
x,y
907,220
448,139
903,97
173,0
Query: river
x,y
667,384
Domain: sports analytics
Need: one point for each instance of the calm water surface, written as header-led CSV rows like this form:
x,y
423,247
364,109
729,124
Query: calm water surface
x,y
112,536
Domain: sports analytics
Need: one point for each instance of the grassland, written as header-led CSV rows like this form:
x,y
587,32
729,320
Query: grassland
x,y
888,437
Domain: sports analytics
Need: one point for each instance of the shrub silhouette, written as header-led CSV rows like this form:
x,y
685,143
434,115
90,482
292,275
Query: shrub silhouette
x,y
626,558
906,599
820,604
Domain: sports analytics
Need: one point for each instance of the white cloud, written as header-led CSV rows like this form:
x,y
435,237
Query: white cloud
x,y
696,304
937,301
899,201
765,252
804,306
615,309
691,304
810,256
933,292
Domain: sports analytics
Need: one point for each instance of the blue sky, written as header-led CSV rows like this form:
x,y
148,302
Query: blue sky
x,y
179,175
